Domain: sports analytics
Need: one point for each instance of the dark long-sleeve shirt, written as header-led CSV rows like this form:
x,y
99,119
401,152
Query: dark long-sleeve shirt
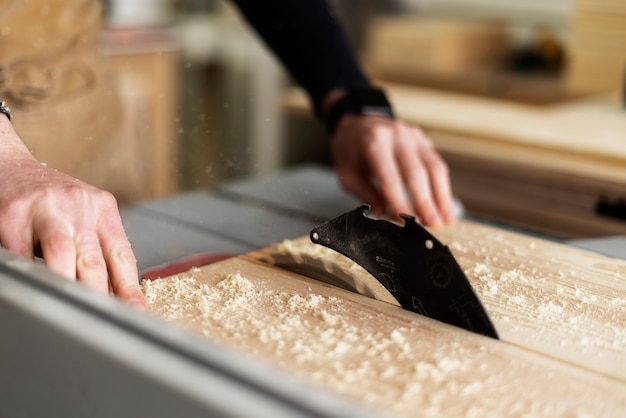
x,y
309,41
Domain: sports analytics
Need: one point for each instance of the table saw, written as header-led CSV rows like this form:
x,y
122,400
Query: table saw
x,y
560,311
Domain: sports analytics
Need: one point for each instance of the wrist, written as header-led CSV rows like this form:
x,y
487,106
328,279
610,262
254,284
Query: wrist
x,y
357,101
11,146
330,99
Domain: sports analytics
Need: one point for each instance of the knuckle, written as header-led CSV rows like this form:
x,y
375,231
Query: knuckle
x,y
16,207
90,260
376,131
421,134
123,254
439,167
376,144
74,192
416,172
107,198
107,202
86,195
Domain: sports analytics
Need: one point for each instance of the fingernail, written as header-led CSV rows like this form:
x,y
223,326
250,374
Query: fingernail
x,y
137,305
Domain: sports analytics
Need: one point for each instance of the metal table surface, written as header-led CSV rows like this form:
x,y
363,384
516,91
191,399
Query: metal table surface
x,y
236,217
249,214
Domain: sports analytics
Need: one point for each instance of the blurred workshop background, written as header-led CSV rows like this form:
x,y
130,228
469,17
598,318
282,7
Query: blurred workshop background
x,y
206,102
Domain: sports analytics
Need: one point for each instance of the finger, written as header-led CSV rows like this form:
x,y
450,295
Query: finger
x,y
57,245
440,182
17,238
381,158
416,174
91,268
121,263
419,186
360,185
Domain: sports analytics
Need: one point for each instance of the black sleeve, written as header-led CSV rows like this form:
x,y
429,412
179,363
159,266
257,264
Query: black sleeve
x,y
310,42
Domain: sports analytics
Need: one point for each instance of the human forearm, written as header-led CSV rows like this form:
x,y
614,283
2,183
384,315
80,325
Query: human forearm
x,y
309,41
11,146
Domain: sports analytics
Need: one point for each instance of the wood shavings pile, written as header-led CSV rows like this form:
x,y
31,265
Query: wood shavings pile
x,y
326,265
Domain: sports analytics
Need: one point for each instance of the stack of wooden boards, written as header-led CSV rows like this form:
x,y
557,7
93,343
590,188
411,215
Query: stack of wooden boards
x,y
558,169
560,313
597,57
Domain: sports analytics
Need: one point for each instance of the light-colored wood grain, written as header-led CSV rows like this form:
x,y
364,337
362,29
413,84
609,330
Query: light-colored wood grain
x,y
325,265
545,191
593,128
398,362
546,297
596,57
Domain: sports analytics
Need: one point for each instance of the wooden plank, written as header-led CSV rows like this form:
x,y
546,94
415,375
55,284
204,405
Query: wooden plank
x,y
564,129
547,297
397,362
544,296
543,192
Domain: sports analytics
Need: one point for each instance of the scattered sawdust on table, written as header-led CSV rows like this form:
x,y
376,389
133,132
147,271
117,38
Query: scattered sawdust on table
x,y
401,370
541,302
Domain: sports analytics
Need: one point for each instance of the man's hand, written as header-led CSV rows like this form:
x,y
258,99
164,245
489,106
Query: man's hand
x,y
394,167
77,226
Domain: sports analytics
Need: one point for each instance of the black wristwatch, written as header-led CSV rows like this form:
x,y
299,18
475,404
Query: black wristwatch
x,y
4,109
359,101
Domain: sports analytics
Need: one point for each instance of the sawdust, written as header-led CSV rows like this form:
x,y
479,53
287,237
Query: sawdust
x,y
398,369
544,303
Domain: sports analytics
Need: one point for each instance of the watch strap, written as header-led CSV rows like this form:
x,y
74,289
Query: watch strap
x,y
358,101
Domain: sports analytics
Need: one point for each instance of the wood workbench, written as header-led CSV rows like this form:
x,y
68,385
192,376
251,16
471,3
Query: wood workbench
x,y
559,310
